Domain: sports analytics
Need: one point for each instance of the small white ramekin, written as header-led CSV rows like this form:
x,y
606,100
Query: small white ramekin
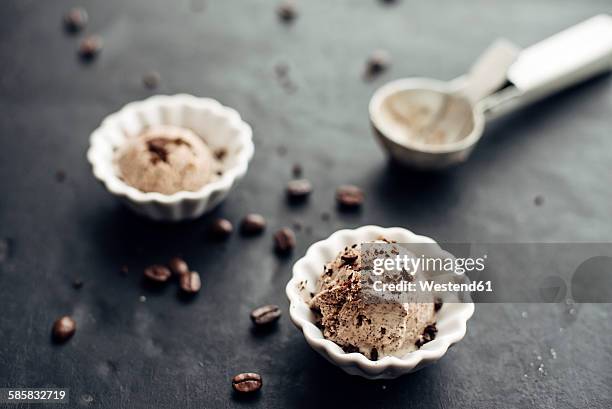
x,y
451,318
218,125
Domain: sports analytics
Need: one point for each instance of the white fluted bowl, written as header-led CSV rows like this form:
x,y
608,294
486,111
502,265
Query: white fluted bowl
x,y
218,125
451,318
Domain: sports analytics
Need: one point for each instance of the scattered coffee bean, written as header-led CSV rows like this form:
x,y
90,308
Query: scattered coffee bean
x,y
77,284
374,354
60,176
265,315
75,20
247,382
297,170
178,266
539,200
157,273
190,282
284,240
299,189
252,224
90,47
151,79
287,11
349,196
63,329
438,304
378,62
221,228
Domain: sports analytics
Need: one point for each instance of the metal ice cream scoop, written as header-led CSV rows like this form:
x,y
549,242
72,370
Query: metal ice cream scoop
x,y
433,124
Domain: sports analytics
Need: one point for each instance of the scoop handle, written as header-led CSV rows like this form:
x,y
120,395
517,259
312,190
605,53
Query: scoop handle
x,y
489,72
565,59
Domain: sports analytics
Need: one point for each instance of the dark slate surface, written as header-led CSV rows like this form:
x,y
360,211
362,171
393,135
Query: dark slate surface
x,y
167,353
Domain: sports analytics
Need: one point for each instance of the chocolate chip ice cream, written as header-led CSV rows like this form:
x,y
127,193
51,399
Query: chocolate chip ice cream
x,y
166,159
355,323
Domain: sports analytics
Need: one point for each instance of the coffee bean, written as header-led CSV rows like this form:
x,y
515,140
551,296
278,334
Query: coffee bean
x,y
377,63
284,240
349,196
252,224
190,282
90,47
247,382
157,273
221,228
287,11
75,19
438,304
151,79
265,315
63,329
299,189
178,266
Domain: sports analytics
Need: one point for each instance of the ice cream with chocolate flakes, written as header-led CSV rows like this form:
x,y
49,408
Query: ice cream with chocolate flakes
x,y
166,159
374,329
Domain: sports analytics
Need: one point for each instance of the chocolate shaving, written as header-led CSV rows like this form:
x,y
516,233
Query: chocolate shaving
x,y
158,150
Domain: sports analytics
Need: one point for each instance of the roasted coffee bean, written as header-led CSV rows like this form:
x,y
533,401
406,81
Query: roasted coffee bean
x,y
299,189
178,266
63,329
151,79
247,382
157,273
377,63
266,314
349,196
190,282
252,224
75,20
90,47
284,240
438,304
221,228
287,11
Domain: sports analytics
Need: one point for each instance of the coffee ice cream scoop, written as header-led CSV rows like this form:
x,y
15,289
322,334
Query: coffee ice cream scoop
x,y
166,159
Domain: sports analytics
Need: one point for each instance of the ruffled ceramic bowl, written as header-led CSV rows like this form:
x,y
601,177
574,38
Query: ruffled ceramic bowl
x,y
451,318
218,125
